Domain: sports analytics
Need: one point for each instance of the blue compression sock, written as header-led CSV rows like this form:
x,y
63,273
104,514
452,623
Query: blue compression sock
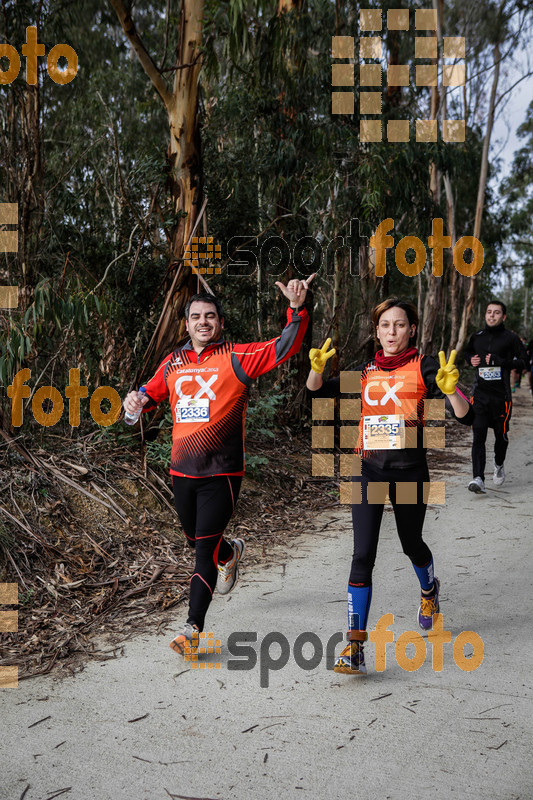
x,y
359,598
425,575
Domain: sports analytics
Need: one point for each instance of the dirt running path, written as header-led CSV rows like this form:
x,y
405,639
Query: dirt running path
x,y
146,726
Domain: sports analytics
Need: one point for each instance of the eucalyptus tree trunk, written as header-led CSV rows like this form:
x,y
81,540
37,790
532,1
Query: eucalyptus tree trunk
x,y
482,185
21,181
433,298
185,174
455,285
284,202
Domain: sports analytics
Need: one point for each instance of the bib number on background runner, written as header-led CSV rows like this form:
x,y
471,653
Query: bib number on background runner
x,y
188,409
384,432
490,373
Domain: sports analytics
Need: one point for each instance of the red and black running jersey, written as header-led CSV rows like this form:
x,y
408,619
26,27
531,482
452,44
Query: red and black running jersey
x,y
400,392
208,394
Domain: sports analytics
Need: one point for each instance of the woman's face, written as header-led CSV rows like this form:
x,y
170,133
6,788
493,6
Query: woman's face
x,y
394,331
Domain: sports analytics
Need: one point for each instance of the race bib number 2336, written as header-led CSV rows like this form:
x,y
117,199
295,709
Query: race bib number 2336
x,y
188,409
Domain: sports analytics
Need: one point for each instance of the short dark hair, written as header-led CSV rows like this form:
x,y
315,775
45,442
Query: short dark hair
x,y
204,297
498,303
395,302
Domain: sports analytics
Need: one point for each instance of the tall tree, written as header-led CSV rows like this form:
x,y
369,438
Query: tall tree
x,y
184,157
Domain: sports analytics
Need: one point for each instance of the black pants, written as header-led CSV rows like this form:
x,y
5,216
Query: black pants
x,y
205,506
492,413
367,517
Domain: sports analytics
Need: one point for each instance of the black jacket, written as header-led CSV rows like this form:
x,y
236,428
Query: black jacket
x,y
506,352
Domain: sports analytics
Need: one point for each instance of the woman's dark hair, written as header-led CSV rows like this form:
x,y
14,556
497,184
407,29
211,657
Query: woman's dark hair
x,y
395,302
204,297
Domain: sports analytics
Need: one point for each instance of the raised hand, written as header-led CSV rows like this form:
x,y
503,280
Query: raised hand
x,y
318,358
448,374
295,291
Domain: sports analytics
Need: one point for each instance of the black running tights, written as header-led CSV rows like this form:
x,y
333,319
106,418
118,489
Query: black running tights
x,y
501,443
409,520
205,506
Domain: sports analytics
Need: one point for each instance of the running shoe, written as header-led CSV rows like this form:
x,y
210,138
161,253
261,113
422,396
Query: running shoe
x,y
228,573
352,660
186,642
477,485
499,474
428,607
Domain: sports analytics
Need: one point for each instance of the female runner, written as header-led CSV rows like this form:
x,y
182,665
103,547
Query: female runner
x,y
394,385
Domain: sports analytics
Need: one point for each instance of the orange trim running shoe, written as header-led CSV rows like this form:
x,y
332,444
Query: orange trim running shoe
x,y
428,607
186,642
352,660
228,573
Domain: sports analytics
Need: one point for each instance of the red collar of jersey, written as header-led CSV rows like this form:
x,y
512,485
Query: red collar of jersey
x,y
188,346
394,362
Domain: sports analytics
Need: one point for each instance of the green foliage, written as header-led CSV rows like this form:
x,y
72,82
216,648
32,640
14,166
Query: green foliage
x,y
262,414
26,598
159,451
6,539
275,162
253,466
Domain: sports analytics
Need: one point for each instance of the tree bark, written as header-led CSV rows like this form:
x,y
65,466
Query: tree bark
x,y
482,185
432,303
455,286
185,178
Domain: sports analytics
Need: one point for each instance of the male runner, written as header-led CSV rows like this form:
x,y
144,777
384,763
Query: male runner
x,y
494,352
207,382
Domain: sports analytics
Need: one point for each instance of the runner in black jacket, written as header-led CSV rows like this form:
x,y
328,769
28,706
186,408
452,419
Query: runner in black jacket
x,y
494,352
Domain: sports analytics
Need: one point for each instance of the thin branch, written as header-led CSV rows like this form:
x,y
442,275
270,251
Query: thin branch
x,y
125,253
171,290
510,89
115,144
167,27
51,361
143,234
182,66
71,167
144,57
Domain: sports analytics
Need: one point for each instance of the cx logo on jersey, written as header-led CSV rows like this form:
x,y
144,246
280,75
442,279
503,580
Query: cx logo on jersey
x,y
390,393
205,386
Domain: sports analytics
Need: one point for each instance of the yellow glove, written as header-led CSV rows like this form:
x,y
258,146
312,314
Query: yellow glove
x,y
318,358
448,374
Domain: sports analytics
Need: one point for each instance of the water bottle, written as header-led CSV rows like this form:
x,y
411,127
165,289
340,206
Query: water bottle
x,y
131,419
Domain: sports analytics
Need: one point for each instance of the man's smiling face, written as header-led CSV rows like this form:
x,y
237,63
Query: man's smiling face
x,y
204,325
494,315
